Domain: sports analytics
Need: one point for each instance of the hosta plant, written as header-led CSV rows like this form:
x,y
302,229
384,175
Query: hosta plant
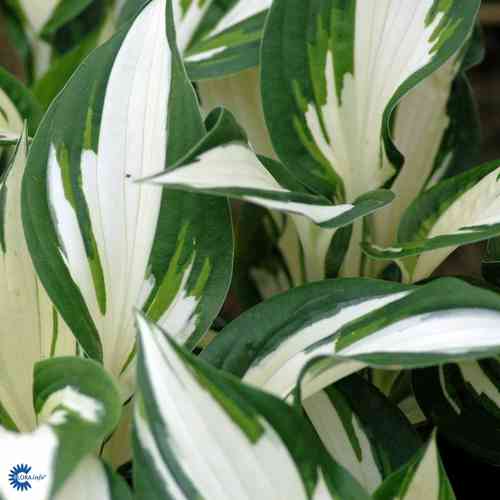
x,y
327,149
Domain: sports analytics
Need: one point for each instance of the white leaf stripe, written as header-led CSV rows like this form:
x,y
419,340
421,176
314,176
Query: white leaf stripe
x,y
201,430
343,417
280,370
234,170
232,45
112,245
328,305
461,210
362,60
187,18
243,9
446,320
361,463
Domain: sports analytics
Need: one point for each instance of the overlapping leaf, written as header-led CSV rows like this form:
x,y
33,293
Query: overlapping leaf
x,y
337,327
333,73
222,164
357,425
233,45
201,434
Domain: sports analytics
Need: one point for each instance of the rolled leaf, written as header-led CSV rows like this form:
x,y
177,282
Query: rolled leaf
x,y
78,406
329,330
31,329
458,211
202,434
103,244
333,73
357,425
424,478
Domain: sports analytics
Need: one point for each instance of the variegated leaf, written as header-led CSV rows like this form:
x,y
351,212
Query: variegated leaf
x,y
357,425
436,129
423,478
233,26
202,434
233,45
222,164
103,244
461,210
333,73
30,327
336,328
77,406
463,400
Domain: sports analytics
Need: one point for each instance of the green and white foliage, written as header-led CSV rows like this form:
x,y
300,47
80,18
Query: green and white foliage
x,y
463,400
424,478
103,244
457,211
232,45
228,167
77,406
436,130
30,327
218,38
330,82
317,132
357,425
325,331
203,434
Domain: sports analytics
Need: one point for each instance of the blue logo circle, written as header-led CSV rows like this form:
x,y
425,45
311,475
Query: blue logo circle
x,y
18,477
